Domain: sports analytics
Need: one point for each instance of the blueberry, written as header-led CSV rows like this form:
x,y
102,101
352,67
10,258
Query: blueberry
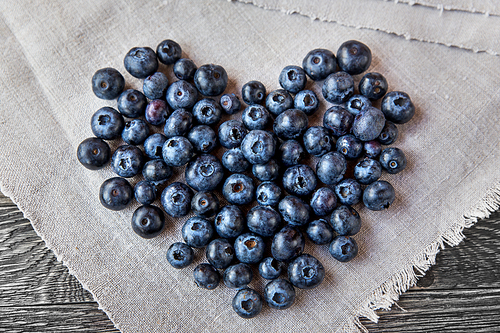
x,y
155,86
368,124
230,103
93,153
156,171
256,117
207,111
389,133
279,294
135,132
270,268
348,191
319,232
294,211
373,85
211,80
338,120
238,189
181,94
367,171
323,201
178,124
306,101
345,221
393,160
379,195
204,173
205,204
357,103
220,253
253,92
247,303
397,107
372,148
300,180
319,63
354,57
184,69
132,103
338,87
157,112
258,146
168,52
318,140
153,145
145,192
231,133
238,276
278,101
306,272
206,276
268,194
343,248
293,79
263,220
107,83
267,171
180,255
349,146
107,123
291,153
249,248
197,232
203,138
230,222
177,151
291,124
176,199
116,193
287,244
148,221
141,62
331,168
234,160
127,161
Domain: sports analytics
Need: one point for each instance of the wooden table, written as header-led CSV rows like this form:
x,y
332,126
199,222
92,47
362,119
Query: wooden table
x,y
461,293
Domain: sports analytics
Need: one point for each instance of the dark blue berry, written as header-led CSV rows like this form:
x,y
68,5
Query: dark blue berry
x,y
148,221
153,145
145,192
168,52
278,101
306,272
379,195
258,146
323,201
287,244
319,232
206,276
338,87
389,133
293,79
345,221
135,132
393,160
211,80
116,193
291,124
132,103
108,83
318,140
205,204
234,160
348,191
141,62
331,168
373,86
368,124
263,220
204,173
306,101
230,103
291,153
253,92
220,253
238,276
372,148
343,248
338,120
176,199
178,124
367,171
349,146
267,171
397,107
354,57
299,179
256,117
270,268
249,248
294,211
155,86
230,222
247,303
177,151
279,294
357,103
107,123
231,133
156,171
238,189
268,194
127,161
180,255
203,138
181,94
319,63
184,69
93,153
157,112
197,232
207,111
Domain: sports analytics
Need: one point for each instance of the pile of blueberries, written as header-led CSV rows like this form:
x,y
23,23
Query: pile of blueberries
x,y
273,139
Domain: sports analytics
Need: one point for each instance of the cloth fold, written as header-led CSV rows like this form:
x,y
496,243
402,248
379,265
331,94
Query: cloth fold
x,y
52,49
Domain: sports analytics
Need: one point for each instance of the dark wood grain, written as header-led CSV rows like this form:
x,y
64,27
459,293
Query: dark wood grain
x,y
461,293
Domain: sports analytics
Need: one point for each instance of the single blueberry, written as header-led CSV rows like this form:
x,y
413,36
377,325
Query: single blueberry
x,y
389,133
231,133
372,148
207,111
357,103
367,171
397,107
331,168
116,193
211,80
168,52
291,153
141,62
247,303
318,140
278,101
145,192
153,145
319,63
249,248
93,153
306,272
263,220
206,276
294,211
343,248
238,276
393,160
291,124
157,112
300,180
177,151
220,253
354,57
155,86
135,132
253,92
107,83
256,117
345,221
338,87
148,221
238,189
127,161
348,191
176,199
293,79
230,103
234,160
306,101
258,146
319,232
230,222
107,123
349,146
203,138
132,103
368,124
270,268
338,120
379,195
268,194
204,173
279,294
156,171
180,255
373,86
178,124
267,171
287,244
184,69
205,204
197,232
181,94
323,201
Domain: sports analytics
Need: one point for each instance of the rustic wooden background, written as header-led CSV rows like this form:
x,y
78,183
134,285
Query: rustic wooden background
x,y
461,293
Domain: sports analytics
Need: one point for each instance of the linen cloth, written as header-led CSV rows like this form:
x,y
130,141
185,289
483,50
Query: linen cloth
x,y
51,49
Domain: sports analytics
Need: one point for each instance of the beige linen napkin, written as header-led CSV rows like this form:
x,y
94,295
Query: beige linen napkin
x,y
51,50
